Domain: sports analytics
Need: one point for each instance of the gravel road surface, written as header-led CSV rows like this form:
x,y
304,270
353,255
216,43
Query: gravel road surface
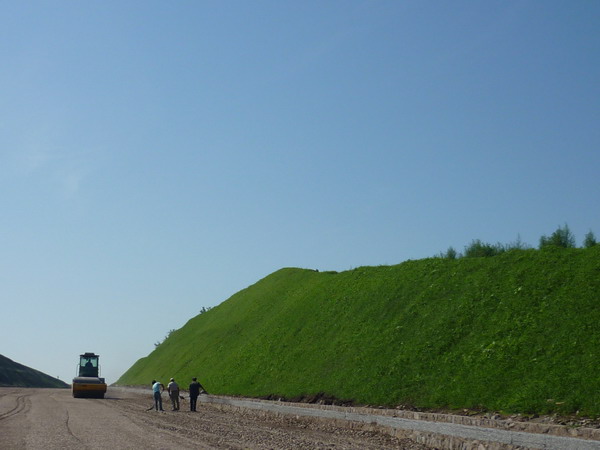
x,y
53,419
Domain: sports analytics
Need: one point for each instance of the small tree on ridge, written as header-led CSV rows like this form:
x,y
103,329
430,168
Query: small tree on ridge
x,y
562,237
589,240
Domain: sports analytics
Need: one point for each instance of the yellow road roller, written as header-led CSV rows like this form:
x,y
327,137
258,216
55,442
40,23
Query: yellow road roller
x,y
88,382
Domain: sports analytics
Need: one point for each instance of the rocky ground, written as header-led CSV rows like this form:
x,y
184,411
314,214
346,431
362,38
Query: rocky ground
x,y
250,429
553,419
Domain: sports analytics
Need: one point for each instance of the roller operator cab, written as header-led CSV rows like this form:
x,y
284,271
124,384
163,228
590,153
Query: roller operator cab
x,y
88,382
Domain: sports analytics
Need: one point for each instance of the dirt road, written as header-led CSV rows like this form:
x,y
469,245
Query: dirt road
x,y
52,419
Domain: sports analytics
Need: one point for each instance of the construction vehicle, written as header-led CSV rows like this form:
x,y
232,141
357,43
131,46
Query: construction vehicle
x,y
88,382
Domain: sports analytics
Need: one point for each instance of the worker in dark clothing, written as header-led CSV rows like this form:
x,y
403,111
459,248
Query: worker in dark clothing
x,y
195,389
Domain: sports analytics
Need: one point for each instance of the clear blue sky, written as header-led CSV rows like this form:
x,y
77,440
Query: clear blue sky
x,y
158,157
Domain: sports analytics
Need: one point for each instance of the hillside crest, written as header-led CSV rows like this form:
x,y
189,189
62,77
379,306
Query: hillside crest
x,y
14,374
517,332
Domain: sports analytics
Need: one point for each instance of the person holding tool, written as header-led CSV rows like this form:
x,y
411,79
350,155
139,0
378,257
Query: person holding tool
x,y
195,389
156,389
173,389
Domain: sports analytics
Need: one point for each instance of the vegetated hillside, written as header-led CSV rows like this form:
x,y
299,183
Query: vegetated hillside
x,y
517,332
18,375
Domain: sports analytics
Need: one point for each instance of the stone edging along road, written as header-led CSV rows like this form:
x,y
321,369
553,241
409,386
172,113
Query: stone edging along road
x,y
438,430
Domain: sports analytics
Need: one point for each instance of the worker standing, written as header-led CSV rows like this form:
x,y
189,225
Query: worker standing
x,y
156,389
195,389
173,389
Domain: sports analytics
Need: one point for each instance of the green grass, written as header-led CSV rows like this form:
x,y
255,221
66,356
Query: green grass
x,y
517,332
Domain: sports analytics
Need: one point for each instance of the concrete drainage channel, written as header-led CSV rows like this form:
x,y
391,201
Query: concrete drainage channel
x,y
441,431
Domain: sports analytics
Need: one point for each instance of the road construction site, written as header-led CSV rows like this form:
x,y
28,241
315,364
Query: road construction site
x,y
53,419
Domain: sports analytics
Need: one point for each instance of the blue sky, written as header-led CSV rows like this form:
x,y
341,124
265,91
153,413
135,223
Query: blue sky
x,y
157,157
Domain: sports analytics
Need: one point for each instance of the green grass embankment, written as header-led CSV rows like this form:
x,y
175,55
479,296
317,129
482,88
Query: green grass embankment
x,y
517,332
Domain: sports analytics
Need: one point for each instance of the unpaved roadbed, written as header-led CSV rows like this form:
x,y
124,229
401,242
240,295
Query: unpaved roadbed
x,y
52,419
433,429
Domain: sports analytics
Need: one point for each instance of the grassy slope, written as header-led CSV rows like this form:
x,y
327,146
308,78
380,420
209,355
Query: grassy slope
x,y
18,375
517,332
